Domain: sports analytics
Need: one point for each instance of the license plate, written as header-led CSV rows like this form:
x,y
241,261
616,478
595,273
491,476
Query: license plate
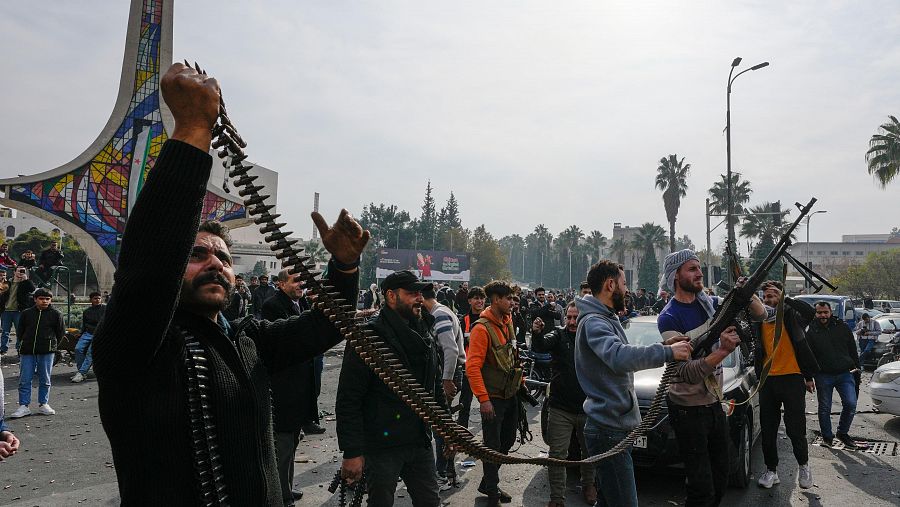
x,y
640,442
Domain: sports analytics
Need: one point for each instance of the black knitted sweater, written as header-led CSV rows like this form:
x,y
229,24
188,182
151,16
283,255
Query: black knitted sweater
x,y
139,355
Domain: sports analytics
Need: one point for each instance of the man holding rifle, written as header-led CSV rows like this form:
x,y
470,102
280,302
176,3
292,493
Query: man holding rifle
x,y
695,394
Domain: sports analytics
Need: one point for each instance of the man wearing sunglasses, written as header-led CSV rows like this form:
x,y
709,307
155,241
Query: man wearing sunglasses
x,y
184,393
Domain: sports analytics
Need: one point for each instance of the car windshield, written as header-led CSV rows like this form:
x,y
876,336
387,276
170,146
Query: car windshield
x,y
646,333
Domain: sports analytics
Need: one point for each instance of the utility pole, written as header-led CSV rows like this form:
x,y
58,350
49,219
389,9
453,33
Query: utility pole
x,y
709,272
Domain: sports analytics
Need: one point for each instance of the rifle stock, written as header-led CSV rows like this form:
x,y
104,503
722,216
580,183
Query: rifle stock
x,y
738,298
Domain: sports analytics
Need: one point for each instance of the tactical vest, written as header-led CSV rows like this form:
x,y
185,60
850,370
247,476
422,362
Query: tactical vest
x,y
501,372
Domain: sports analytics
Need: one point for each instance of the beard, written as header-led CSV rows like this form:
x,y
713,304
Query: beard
x,y
618,301
689,286
409,312
193,300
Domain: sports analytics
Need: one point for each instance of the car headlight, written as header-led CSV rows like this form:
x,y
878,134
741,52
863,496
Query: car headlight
x,y
884,377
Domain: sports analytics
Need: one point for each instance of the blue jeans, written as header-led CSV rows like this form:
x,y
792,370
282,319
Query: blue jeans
x,y
865,347
7,320
28,363
614,475
846,388
83,353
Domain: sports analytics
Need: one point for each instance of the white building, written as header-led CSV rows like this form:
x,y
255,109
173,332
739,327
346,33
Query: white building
x,y
830,258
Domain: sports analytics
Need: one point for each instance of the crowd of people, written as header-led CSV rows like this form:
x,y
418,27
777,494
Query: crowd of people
x,y
230,372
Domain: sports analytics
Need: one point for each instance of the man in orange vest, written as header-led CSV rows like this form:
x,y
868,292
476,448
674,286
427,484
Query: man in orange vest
x,y
495,375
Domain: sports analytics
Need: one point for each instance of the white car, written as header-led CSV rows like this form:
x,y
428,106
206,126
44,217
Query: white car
x,y
885,388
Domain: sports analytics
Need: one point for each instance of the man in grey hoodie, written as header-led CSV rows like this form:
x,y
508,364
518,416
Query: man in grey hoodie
x,y
604,363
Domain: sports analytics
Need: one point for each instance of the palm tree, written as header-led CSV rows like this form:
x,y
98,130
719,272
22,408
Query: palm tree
x,y
883,156
618,248
314,249
671,178
740,195
648,237
760,223
597,241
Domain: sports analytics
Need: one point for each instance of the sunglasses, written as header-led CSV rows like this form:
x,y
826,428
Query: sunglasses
x,y
201,253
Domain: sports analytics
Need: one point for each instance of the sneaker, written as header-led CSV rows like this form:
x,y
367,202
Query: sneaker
x,y
804,477
443,484
828,441
77,378
313,429
46,409
769,479
848,442
22,411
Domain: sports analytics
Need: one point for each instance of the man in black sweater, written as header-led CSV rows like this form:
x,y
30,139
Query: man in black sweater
x,y
376,430
293,388
835,349
184,394
566,411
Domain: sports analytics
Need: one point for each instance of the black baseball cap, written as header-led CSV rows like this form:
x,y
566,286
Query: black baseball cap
x,y
403,280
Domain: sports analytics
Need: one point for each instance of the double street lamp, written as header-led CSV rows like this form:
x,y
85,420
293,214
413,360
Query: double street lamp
x,y
729,200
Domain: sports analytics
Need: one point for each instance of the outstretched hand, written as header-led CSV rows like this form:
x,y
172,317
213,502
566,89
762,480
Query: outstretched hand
x,y
345,240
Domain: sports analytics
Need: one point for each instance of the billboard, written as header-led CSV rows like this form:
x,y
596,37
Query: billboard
x,y
427,264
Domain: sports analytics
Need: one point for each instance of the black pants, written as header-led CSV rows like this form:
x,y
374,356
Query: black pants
x,y
413,464
788,391
500,435
702,435
285,448
465,401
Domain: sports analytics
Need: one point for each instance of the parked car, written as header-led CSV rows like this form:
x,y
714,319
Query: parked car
x,y
659,447
885,388
887,306
842,307
861,310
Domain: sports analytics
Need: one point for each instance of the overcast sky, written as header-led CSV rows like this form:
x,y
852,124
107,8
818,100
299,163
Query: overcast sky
x,y
530,112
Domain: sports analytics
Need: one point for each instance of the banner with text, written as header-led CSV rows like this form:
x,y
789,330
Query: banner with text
x,y
427,264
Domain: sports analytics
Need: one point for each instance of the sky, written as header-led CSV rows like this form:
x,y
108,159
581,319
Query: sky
x,y
530,112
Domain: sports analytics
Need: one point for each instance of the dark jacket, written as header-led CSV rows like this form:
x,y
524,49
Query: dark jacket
x,y
40,331
237,308
462,301
565,391
833,345
259,296
370,417
294,387
50,258
23,295
139,355
547,313
91,318
521,327
797,315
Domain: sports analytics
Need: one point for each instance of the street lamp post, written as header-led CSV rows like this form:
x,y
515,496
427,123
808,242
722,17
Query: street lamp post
x,y
808,218
728,198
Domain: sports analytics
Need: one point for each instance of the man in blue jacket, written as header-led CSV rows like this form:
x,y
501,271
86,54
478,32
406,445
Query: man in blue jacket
x,y
604,363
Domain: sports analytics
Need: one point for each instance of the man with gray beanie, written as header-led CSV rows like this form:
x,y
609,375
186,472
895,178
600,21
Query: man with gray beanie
x,y
695,394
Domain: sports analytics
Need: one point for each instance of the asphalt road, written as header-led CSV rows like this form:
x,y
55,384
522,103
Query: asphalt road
x,y
65,460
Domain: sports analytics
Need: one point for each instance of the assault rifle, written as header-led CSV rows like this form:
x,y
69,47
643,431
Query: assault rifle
x,y
738,298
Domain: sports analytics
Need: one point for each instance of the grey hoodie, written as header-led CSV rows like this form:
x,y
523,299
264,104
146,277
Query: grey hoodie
x,y
604,362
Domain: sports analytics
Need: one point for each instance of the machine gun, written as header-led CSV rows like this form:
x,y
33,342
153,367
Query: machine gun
x,y
738,298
